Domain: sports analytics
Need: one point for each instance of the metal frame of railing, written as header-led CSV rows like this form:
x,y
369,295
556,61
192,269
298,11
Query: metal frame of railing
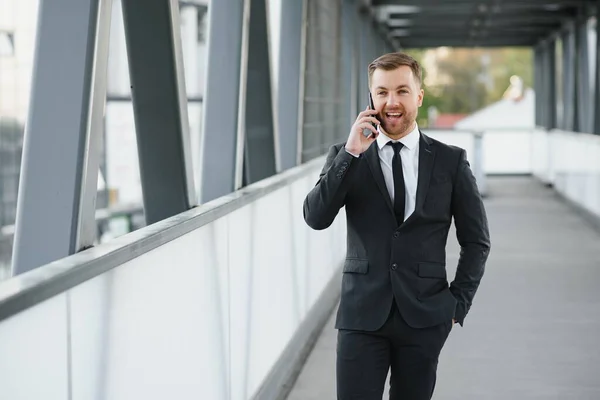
x,y
24,291
103,218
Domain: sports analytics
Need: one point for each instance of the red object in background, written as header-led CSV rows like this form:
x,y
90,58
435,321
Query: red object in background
x,y
447,120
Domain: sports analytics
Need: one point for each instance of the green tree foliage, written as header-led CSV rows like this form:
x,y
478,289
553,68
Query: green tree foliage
x,y
463,80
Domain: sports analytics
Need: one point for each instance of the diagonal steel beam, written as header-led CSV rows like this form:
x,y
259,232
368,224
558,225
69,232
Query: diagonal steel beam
x,y
61,153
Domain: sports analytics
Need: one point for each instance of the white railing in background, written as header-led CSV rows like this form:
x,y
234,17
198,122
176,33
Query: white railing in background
x,y
491,151
199,306
508,151
570,161
471,141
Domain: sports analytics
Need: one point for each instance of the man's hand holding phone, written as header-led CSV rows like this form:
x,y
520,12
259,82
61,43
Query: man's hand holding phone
x,y
357,142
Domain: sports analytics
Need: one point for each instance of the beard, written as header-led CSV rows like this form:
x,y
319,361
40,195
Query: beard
x,y
401,127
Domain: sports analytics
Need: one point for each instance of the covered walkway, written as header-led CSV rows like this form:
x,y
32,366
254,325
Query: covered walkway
x,y
533,330
157,249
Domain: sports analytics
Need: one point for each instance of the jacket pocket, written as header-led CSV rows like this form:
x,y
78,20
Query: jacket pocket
x,y
432,270
356,266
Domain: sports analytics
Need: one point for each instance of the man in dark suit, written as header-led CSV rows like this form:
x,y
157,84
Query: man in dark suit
x,y
401,190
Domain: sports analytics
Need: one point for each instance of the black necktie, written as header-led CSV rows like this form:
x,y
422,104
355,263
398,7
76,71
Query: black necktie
x,y
399,191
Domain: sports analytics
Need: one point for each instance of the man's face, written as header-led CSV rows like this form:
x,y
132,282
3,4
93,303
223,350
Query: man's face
x,y
397,97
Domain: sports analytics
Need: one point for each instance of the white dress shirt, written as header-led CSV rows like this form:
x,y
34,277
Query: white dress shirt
x,y
410,166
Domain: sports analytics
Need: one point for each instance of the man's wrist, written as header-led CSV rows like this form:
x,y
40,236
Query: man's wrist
x,y
352,153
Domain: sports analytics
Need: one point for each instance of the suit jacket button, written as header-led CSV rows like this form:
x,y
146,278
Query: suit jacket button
x,y
396,235
394,266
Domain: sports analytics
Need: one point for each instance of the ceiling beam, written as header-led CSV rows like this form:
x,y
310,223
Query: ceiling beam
x,y
455,42
466,36
495,20
481,4
439,33
470,12
426,23
482,9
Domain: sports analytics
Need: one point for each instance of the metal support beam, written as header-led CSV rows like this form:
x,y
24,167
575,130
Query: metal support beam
x,y
366,57
222,93
61,154
374,38
584,96
302,83
549,75
323,101
259,154
288,90
310,129
569,98
596,105
373,44
152,32
324,56
538,83
333,89
349,64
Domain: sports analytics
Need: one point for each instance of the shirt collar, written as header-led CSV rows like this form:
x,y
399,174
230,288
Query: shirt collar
x,y
409,141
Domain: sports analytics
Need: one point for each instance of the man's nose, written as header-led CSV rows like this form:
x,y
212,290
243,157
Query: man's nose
x,y
392,100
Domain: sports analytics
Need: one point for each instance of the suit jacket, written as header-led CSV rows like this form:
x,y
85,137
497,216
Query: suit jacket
x,y
407,262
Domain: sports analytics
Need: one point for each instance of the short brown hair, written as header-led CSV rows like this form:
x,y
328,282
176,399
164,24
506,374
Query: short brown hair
x,y
391,61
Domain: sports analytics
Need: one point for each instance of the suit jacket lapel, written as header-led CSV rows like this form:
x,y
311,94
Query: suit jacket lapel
x,y
372,156
426,160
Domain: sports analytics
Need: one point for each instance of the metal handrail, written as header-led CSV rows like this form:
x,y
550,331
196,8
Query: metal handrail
x,y
26,290
102,215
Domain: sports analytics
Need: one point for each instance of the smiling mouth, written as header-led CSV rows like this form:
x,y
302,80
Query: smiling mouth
x,y
393,115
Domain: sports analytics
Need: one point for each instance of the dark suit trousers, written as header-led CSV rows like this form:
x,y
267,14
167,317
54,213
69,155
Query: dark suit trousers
x,y
364,358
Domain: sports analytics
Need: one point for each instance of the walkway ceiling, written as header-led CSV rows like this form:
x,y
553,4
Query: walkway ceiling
x,y
470,23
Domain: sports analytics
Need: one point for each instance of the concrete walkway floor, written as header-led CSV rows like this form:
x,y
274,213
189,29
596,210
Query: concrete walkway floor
x,y
534,329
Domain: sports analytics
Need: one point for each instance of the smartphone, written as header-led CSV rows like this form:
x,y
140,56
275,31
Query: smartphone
x,y
372,107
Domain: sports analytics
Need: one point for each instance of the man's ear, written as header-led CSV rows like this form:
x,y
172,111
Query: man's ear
x,y
421,94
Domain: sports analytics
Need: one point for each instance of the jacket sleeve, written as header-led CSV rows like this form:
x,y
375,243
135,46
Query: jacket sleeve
x,y
473,236
324,201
